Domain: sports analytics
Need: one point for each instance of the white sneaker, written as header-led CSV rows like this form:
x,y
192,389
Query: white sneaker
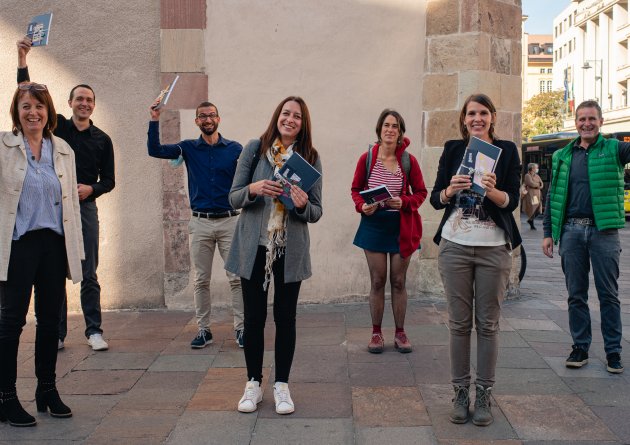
x,y
282,397
251,398
60,344
97,342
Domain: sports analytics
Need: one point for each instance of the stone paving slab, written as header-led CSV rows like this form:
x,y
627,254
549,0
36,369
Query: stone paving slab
x,y
395,435
388,407
564,417
212,427
117,360
381,374
529,381
303,431
186,363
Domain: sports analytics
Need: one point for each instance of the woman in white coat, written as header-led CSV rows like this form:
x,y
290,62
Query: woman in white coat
x,y
40,244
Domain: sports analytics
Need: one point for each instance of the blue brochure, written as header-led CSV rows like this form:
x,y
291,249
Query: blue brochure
x,y
480,157
38,29
298,172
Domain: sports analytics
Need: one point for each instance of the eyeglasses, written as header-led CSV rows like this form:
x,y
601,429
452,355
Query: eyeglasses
x,y
203,117
33,86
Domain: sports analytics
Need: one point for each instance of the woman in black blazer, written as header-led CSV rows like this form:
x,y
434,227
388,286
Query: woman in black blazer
x,y
476,237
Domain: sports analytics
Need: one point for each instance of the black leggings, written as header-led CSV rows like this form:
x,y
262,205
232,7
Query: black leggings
x,y
255,308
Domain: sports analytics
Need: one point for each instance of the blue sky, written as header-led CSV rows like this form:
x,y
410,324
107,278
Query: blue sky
x,y
541,14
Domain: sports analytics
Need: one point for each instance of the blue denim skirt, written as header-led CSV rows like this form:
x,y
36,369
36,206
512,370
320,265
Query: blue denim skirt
x,y
379,232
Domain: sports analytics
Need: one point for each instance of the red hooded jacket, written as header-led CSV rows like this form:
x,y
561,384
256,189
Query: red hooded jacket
x,y
413,195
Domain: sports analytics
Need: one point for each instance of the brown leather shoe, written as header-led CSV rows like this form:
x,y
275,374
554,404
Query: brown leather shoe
x,y
377,343
401,343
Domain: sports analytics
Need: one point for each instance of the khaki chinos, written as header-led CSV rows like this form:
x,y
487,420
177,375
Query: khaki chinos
x,y
204,235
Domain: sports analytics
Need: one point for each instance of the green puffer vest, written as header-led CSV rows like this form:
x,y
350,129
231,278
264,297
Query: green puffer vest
x,y
605,175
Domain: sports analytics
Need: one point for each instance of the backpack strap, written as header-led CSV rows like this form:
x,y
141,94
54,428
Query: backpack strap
x,y
405,160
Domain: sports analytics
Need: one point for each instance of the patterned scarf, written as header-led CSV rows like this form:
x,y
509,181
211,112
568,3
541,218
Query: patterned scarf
x,y
277,225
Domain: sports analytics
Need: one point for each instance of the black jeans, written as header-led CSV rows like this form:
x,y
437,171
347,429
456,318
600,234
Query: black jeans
x,y
37,259
255,308
90,288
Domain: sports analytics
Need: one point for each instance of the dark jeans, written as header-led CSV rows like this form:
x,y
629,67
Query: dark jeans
x,y
578,244
255,308
37,259
90,289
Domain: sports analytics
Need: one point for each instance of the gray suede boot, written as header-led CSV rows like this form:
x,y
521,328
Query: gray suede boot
x,y
461,402
482,415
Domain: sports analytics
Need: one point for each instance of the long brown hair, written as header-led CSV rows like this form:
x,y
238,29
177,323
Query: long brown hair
x,y
41,95
303,142
481,99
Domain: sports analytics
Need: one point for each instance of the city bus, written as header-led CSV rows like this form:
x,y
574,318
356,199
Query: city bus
x,y
541,147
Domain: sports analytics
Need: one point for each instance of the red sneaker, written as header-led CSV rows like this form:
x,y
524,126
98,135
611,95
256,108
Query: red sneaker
x,y
401,342
377,343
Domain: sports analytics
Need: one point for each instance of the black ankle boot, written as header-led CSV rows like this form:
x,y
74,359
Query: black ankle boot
x,y
47,399
11,410
531,224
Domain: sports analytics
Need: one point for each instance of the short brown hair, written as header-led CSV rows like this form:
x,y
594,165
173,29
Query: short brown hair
x,y
399,119
481,99
589,104
42,96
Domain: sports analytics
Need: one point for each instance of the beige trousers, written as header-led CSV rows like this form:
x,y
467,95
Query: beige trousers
x,y
204,235
475,280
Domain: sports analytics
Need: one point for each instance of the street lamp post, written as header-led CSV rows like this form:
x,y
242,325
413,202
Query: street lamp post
x,y
588,66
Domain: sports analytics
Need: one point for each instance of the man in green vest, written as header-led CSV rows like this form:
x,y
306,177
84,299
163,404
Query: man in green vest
x,y
584,211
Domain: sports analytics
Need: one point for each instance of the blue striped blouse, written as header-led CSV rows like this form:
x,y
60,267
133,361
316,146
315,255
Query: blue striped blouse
x,y
39,206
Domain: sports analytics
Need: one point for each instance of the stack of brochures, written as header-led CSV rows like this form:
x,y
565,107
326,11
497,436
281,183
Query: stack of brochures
x,y
296,171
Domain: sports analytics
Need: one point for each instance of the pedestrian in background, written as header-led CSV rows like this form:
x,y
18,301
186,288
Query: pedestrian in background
x,y
532,201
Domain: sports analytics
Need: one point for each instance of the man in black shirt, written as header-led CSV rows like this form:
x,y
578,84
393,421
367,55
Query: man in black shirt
x,y
94,157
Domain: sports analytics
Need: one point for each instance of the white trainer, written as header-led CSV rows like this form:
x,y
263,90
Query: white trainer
x,y
251,397
97,342
282,397
60,344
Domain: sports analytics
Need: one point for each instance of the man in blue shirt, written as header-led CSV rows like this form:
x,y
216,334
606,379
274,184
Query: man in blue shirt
x,y
210,164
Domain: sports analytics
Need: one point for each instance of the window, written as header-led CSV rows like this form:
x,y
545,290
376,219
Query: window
x,y
549,85
570,20
560,53
548,70
555,56
570,46
542,71
555,30
541,87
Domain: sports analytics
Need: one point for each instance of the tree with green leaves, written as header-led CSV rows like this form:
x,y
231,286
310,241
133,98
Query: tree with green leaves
x,y
543,114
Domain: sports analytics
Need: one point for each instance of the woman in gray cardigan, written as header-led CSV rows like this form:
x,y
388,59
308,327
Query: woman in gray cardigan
x,y
271,240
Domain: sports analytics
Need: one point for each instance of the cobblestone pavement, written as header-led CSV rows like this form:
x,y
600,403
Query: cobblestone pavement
x,y
151,387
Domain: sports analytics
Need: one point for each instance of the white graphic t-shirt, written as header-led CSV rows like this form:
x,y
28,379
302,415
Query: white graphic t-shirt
x,y
470,225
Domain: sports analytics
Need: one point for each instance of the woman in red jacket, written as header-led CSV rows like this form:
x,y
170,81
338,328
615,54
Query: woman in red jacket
x,y
392,227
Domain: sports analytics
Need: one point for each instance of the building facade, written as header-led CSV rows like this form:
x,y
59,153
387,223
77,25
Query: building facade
x,y
538,76
349,60
591,58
